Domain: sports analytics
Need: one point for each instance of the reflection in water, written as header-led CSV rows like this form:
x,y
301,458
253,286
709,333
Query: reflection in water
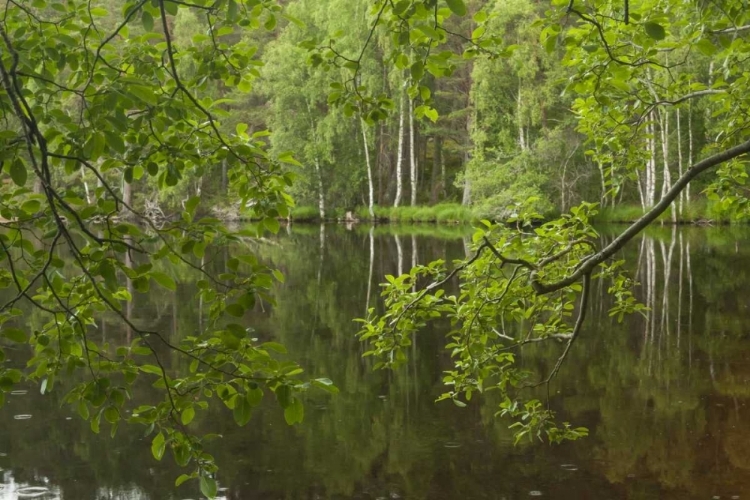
x,y
664,394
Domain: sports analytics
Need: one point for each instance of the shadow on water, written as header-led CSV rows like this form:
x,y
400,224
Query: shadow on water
x,y
665,395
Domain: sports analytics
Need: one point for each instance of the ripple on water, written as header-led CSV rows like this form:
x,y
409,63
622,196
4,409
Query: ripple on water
x,y
22,417
32,492
452,444
535,493
569,467
19,392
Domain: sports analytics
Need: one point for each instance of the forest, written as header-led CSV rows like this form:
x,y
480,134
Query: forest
x,y
136,134
475,135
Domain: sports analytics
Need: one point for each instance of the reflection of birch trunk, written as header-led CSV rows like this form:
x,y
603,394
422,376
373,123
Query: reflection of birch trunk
x,y
400,253
679,292
372,263
667,260
690,304
414,258
321,251
131,291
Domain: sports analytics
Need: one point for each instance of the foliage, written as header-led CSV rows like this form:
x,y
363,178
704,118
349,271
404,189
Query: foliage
x,y
108,93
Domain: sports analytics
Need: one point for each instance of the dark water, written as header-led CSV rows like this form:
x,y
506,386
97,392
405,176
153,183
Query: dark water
x,y
665,397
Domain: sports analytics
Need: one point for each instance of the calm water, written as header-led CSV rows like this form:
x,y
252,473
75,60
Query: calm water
x,y
665,397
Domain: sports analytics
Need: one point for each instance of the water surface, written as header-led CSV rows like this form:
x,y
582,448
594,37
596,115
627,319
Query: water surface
x,y
665,396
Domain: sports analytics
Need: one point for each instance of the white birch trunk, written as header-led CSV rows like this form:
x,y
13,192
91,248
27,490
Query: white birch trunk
x,y
519,118
667,175
316,161
400,157
370,186
321,198
412,157
680,170
86,186
690,149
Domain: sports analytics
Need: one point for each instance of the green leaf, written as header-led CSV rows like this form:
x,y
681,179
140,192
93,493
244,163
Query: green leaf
x,y
181,479
18,172
208,486
14,334
326,384
148,21
152,369
143,94
272,224
242,410
458,7
111,414
295,412
235,310
164,280
158,446
188,414
655,31
191,205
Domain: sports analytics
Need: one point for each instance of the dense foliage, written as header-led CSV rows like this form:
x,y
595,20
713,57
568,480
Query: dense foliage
x,y
114,113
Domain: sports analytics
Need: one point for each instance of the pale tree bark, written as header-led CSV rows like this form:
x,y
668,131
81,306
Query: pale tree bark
x,y
321,197
602,197
127,193
400,252
690,147
651,166
519,119
412,157
316,162
371,237
666,175
466,198
400,154
641,190
680,170
370,186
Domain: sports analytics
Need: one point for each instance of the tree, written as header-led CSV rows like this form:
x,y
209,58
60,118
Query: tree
x,y
527,280
100,93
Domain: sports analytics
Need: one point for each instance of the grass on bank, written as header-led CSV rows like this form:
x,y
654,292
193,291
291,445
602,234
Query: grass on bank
x,y
694,212
446,213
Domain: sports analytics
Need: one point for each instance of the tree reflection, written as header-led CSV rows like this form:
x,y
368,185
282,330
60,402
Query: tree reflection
x,y
665,395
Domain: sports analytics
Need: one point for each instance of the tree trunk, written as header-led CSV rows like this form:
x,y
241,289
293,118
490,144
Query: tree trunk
x,y
321,197
690,148
369,172
466,199
519,119
681,202
127,193
412,157
400,154
224,179
667,175
316,161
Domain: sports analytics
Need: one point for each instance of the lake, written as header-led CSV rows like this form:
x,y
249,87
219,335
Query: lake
x,y
665,396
